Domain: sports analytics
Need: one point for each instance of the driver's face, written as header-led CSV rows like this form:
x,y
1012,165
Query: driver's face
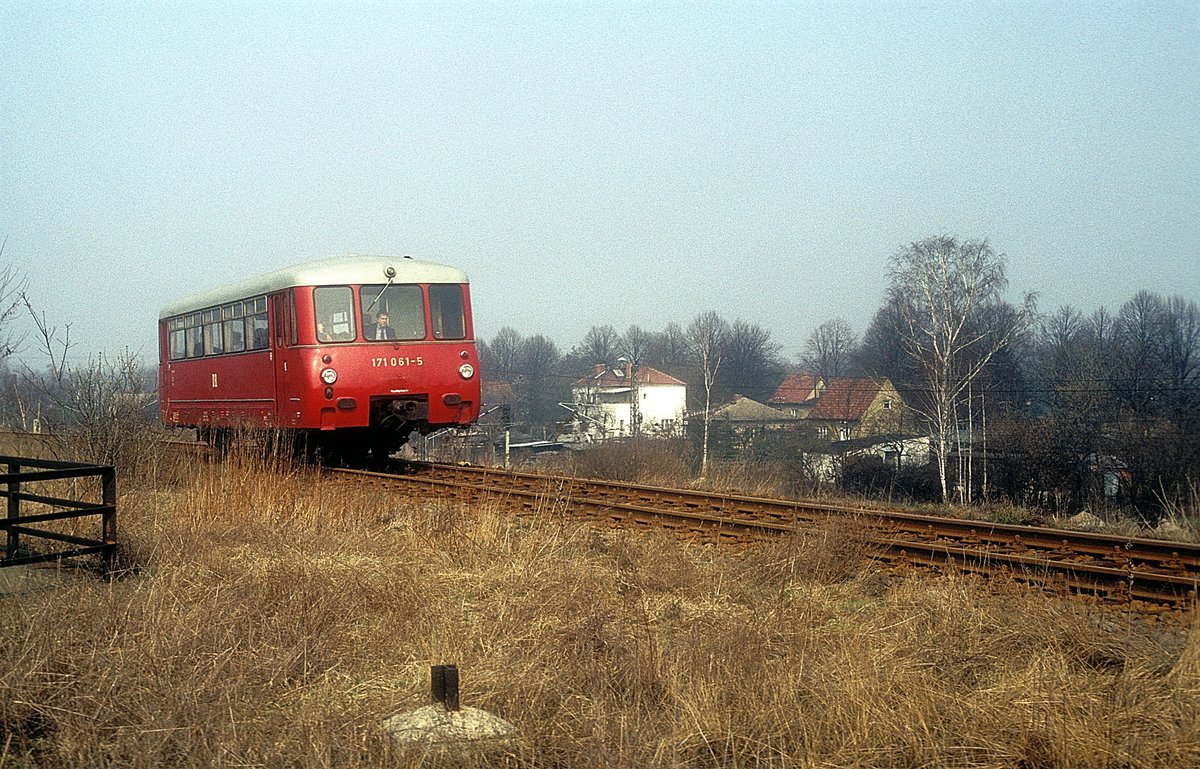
x,y
383,320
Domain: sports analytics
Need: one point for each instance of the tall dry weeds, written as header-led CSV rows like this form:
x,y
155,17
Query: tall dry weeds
x,y
277,616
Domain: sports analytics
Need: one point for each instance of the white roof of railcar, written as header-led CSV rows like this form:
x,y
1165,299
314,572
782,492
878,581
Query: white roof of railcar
x,y
338,271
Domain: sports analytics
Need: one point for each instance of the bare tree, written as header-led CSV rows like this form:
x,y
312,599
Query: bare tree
x,y
670,350
1181,352
830,350
1122,392
1181,355
709,336
1153,374
882,354
941,287
752,364
502,355
1060,344
1051,449
600,345
12,287
98,410
539,381
1139,365
12,299
633,345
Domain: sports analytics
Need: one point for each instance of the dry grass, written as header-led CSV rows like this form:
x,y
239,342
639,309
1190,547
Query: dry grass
x,y
668,463
650,462
276,618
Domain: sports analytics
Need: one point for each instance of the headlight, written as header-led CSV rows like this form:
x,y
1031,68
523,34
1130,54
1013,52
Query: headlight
x,y
466,371
328,376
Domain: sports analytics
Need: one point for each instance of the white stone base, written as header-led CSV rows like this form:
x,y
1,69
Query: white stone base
x,y
435,724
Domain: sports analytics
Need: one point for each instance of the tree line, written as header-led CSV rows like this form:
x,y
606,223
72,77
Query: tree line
x,y
1044,409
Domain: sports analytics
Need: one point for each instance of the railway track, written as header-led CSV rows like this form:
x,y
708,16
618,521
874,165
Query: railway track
x,y
1152,575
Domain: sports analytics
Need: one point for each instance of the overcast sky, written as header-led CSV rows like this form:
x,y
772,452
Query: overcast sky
x,y
589,163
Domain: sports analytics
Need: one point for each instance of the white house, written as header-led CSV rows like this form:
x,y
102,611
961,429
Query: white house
x,y
608,402
898,451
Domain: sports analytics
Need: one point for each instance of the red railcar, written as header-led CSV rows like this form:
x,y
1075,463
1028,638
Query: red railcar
x,y
350,354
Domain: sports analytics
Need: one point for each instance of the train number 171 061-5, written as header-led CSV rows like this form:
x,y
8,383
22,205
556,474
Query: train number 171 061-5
x,y
402,361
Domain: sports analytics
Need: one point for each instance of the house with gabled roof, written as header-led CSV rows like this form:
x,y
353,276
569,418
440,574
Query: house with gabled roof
x,y
857,407
748,419
797,394
607,403
744,413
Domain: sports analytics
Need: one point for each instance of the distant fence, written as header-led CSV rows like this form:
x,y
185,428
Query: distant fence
x,y
15,484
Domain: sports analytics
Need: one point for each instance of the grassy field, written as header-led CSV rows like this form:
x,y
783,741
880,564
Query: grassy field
x,y
277,618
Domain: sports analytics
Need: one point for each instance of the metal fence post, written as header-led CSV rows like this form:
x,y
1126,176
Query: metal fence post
x,y
14,512
108,519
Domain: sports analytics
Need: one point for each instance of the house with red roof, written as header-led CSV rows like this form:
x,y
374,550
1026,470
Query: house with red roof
x,y
609,401
797,394
857,407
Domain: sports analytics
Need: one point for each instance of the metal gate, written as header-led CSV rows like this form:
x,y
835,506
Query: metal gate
x,y
18,483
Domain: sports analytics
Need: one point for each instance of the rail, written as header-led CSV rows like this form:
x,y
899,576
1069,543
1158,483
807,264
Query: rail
x,y
19,473
1158,574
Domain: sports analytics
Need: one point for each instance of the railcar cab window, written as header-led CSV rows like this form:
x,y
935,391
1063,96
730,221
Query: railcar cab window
x,y
446,312
334,310
403,305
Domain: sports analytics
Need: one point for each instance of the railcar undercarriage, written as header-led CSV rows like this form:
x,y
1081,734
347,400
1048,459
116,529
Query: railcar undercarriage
x,y
359,447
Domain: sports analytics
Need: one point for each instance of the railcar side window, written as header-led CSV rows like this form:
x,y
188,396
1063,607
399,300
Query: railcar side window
x,y
213,340
446,312
255,311
178,339
234,328
256,326
334,308
195,335
403,305
195,342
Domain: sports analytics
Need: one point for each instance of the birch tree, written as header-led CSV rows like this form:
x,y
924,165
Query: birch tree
x,y
709,336
941,288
